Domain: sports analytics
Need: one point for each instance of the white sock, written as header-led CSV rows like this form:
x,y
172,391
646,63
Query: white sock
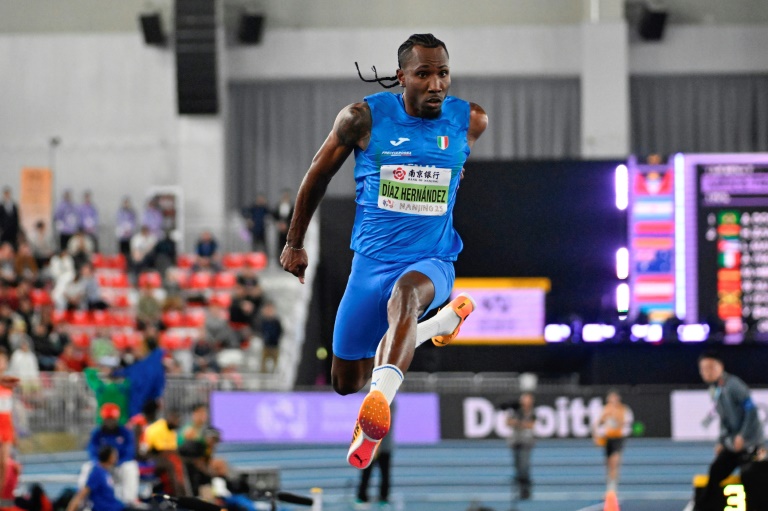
x,y
387,379
443,323
612,486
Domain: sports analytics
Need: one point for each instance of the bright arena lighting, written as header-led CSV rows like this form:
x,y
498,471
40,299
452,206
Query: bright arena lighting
x,y
639,332
622,298
693,333
680,305
655,333
622,263
556,333
594,332
622,187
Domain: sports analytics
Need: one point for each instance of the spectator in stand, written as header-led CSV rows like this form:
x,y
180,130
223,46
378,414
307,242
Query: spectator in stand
x,y
126,224
217,325
25,311
271,333
207,253
7,264
47,354
142,251
283,214
93,298
9,219
5,343
148,308
59,336
25,264
66,219
40,242
89,219
197,454
153,218
73,359
256,217
247,276
111,433
23,365
61,269
241,310
204,357
165,253
80,246
162,442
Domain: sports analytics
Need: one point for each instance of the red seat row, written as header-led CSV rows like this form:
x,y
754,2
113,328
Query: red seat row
x,y
96,318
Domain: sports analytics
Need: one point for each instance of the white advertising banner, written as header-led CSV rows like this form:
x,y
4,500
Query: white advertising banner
x,y
693,416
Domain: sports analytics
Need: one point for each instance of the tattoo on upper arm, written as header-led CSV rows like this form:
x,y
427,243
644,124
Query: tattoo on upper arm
x,y
353,124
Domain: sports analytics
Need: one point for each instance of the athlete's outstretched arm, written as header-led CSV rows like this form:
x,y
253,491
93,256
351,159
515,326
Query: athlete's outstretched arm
x,y
478,121
352,128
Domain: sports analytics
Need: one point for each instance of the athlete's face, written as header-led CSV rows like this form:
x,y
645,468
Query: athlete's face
x,y
426,78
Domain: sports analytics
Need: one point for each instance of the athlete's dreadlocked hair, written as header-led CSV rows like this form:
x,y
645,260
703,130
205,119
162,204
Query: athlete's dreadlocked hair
x,y
425,40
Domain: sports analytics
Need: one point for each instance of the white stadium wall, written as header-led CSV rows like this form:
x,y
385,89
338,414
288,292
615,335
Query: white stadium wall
x,y
111,99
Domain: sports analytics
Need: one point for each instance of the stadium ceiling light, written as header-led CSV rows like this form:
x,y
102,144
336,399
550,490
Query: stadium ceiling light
x,y
622,263
622,187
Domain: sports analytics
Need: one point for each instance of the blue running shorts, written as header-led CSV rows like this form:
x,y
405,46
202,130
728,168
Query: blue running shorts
x,y
361,320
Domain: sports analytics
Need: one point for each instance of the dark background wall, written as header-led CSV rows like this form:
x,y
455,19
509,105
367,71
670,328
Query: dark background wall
x,y
539,219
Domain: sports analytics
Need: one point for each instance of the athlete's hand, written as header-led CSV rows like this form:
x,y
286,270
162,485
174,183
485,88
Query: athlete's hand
x,y
738,443
294,261
8,381
461,176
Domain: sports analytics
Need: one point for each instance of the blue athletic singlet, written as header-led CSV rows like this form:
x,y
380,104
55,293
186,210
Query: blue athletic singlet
x,y
406,181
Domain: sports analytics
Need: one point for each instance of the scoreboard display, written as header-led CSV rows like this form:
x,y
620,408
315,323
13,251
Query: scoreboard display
x,y
732,242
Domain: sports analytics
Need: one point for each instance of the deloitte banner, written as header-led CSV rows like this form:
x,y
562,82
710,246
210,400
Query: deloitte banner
x,y
561,415
316,417
693,416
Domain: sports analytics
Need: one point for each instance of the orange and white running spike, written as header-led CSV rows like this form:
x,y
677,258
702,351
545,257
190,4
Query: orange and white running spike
x,y
462,305
373,421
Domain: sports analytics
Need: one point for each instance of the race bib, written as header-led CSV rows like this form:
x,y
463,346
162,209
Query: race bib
x,y
414,189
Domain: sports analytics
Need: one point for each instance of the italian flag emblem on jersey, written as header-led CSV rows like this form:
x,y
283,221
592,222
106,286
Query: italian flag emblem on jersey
x,y
442,142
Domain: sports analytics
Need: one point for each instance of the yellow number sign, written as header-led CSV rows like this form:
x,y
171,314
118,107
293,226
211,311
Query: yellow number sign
x,y
736,498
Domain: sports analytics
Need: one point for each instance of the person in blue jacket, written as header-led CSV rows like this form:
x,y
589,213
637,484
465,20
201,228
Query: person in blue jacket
x,y
410,151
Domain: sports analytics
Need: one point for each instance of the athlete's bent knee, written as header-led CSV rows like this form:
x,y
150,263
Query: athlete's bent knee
x,y
346,386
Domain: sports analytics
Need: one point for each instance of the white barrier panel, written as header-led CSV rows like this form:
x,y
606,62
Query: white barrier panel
x,y
693,416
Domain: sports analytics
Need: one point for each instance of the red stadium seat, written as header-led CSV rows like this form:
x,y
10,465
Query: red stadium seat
x,y
40,297
80,318
172,341
120,340
81,340
224,280
233,261
117,262
150,279
100,318
121,301
104,279
194,318
122,319
173,319
200,280
60,316
99,261
222,300
256,260
120,280
185,260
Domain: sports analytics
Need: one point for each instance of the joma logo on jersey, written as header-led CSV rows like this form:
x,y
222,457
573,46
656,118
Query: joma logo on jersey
x,y
399,141
442,143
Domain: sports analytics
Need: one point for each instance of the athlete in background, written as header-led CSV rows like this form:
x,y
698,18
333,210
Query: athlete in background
x,y
614,425
410,150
